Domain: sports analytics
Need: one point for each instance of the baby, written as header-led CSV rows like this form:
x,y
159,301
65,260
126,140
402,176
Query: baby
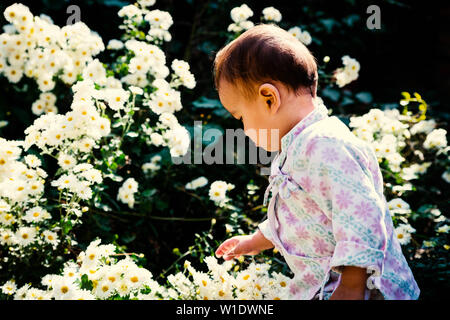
x,y
327,215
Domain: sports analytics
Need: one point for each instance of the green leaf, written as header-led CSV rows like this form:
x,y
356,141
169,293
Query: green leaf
x,y
332,94
148,193
128,237
406,95
115,3
86,283
365,97
204,102
351,19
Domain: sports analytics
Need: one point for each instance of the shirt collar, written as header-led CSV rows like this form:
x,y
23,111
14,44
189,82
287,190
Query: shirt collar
x,y
319,112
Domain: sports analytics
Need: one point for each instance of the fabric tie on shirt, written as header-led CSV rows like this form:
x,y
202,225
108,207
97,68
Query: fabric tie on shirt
x,y
282,184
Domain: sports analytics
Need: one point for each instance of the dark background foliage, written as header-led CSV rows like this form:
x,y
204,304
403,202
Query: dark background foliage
x,y
410,53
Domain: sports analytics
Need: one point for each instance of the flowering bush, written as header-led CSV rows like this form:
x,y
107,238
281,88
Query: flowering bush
x,y
407,146
38,210
34,47
98,273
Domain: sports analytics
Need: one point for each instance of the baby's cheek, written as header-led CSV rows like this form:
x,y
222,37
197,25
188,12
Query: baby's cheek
x,y
252,134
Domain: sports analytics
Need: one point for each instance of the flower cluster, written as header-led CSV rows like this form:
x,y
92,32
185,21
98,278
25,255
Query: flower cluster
x,y
253,283
218,192
389,131
136,15
403,144
240,16
127,191
301,35
168,132
348,73
100,274
45,104
271,14
79,129
36,48
196,183
153,165
25,223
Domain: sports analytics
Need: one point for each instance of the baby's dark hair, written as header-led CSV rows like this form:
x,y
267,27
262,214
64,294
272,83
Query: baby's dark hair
x,y
263,54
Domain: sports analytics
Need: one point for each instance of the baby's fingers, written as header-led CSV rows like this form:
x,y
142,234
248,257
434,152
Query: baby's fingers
x,y
226,247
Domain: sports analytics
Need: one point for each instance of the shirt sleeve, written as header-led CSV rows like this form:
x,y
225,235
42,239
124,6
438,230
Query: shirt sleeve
x,y
342,185
265,230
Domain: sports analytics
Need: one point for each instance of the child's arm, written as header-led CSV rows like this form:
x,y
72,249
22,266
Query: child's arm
x,y
243,245
352,285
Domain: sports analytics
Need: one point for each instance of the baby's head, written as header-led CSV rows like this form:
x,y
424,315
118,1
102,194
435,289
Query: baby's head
x,y
266,77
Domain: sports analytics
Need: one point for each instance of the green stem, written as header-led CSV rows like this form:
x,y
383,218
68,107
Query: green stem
x,y
173,264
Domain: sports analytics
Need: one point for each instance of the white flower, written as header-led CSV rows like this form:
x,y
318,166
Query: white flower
x,y
36,214
66,161
436,139
178,140
272,14
63,288
399,206
7,237
240,14
403,233
50,237
159,19
38,107
4,206
348,73
131,11
116,98
25,235
443,229
95,71
127,191
13,73
168,119
303,36
180,66
9,287
153,165
136,90
115,44
196,183
425,126
156,139
45,82
413,171
217,191
32,161
146,3
130,185
446,176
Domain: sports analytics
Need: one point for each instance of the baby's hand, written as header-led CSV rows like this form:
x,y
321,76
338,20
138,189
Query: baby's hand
x,y
243,245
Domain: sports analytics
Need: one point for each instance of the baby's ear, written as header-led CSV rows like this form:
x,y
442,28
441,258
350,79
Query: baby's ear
x,y
271,96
